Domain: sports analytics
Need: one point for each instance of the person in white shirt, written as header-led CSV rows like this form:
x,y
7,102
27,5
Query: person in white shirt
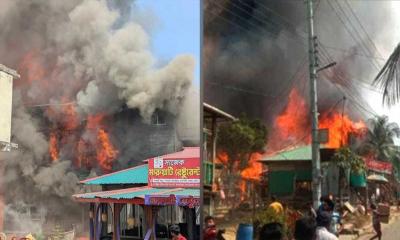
x,y
323,224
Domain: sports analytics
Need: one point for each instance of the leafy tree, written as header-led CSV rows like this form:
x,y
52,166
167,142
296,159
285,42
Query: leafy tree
x,y
346,159
379,140
240,139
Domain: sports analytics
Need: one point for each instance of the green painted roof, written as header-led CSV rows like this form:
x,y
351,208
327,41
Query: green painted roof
x,y
295,154
135,175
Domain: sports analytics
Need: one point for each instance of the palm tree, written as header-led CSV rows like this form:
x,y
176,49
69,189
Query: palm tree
x,y
379,140
388,79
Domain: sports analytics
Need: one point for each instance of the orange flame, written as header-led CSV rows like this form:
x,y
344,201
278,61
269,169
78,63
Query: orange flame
x,y
53,147
82,159
31,68
340,127
294,118
242,186
254,171
292,127
222,157
71,120
106,152
94,121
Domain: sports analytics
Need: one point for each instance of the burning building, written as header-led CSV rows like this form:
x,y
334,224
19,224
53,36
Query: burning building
x,y
255,62
92,98
264,44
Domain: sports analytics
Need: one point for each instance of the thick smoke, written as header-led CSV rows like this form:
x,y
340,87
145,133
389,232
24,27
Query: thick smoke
x,y
73,50
256,51
96,55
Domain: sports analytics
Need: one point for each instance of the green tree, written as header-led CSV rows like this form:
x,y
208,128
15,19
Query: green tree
x,y
240,139
346,159
379,141
388,79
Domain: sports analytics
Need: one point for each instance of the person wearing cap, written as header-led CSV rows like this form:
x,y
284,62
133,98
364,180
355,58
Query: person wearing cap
x,y
323,223
175,231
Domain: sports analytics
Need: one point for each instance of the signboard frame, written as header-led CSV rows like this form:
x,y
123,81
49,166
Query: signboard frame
x,y
165,200
378,166
174,173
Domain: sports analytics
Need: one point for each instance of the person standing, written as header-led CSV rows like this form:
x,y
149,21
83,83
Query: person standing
x,y
276,206
311,211
336,223
305,229
376,222
323,223
271,231
176,233
210,230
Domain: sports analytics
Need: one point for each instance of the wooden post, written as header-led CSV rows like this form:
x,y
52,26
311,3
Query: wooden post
x,y
254,200
366,196
150,213
92,220
97,223
104,225
116,221
214,156
190,222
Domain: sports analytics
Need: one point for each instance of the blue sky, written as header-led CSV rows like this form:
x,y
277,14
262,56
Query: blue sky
x,y
176,30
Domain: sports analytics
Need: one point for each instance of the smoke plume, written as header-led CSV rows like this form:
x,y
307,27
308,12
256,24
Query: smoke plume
x,y
257,51
83,63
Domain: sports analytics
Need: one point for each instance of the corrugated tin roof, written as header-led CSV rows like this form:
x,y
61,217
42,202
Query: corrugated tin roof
x,y
214,110
131,193
187,152
134,175
195,192
296,154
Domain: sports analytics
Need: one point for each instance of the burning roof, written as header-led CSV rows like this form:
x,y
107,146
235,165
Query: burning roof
x,y
89,87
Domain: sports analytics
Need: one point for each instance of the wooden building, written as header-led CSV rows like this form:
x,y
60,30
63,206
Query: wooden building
x,y
288,173
212,117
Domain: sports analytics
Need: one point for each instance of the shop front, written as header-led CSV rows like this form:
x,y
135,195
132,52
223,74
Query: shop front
x,y
144,201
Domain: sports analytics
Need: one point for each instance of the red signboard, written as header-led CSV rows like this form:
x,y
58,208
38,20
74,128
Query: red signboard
x,y
378,166
174,173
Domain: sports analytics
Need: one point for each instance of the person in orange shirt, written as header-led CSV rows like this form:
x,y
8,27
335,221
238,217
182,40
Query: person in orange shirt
x,y
276,206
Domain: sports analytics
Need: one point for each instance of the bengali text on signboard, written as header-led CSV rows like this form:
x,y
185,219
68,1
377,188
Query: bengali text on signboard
x,y
174,173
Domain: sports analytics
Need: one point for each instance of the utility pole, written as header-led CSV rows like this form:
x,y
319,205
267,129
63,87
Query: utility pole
x,y
316,165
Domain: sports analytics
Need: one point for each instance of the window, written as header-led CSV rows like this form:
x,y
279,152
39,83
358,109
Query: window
x,y
158,119
303,188
131,218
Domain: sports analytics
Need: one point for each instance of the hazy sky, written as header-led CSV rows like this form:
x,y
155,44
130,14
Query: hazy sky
x,y
175,29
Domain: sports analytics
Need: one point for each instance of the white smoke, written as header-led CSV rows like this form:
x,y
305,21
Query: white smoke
x,y
94,53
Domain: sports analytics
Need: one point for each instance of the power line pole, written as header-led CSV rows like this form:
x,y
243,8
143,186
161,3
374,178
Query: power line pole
x,y
316,165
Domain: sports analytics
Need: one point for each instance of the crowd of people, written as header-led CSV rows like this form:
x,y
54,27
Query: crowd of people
x,y
323,223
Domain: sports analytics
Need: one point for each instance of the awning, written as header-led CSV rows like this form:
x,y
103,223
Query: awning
x,y
377,178
139,194
134,175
